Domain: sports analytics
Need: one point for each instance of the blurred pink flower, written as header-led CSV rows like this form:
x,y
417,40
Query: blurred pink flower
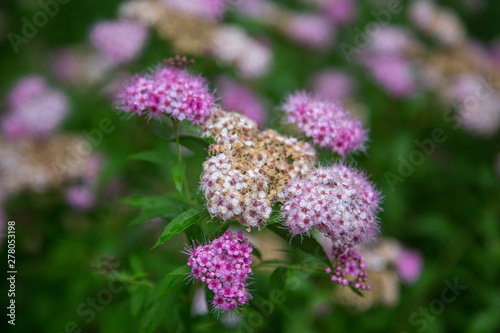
x,y
35,110
80,197
409,265
340,11
333,84
394,74
120,41
238,97
312,30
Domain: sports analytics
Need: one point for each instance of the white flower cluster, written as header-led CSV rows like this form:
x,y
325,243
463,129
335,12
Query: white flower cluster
x,y
233,194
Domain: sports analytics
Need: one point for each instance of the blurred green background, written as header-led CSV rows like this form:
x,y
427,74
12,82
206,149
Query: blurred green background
x,y
448,208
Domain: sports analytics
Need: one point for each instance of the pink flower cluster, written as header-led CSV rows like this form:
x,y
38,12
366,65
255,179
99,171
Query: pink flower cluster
x,y
409,265
328,124
349,262
237,97
224,265
338,201
119,41
35,110
167,90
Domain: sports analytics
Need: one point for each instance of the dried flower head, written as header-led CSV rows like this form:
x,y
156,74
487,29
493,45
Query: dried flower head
x,y
35,165
224,265
169,91
327,123
250,168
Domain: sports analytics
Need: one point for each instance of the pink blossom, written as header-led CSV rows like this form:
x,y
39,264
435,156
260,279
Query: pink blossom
x,y
311,30
80,197
327,123
394,74
224,265
348,264
238,97
340,11
409,265
120,41
333,84
338,201
35,110
167,90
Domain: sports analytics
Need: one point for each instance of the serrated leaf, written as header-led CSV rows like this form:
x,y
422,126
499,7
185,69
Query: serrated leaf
x,y
306,244
178,171
181,223
278,279
196,145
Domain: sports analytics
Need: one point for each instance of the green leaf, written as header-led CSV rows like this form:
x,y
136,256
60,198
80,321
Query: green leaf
x,y
356,291
178,171
306,244
196,145
153,206
146,202
278,279
183,270
181,223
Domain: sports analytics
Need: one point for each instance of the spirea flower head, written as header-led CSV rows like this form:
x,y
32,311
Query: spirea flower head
x,y
224,265
238,97
350,268
169,91
249,169
327,123
409,265
35,110
338,201
120,41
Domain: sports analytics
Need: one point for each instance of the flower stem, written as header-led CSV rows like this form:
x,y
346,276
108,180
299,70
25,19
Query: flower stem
x,y
179,155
